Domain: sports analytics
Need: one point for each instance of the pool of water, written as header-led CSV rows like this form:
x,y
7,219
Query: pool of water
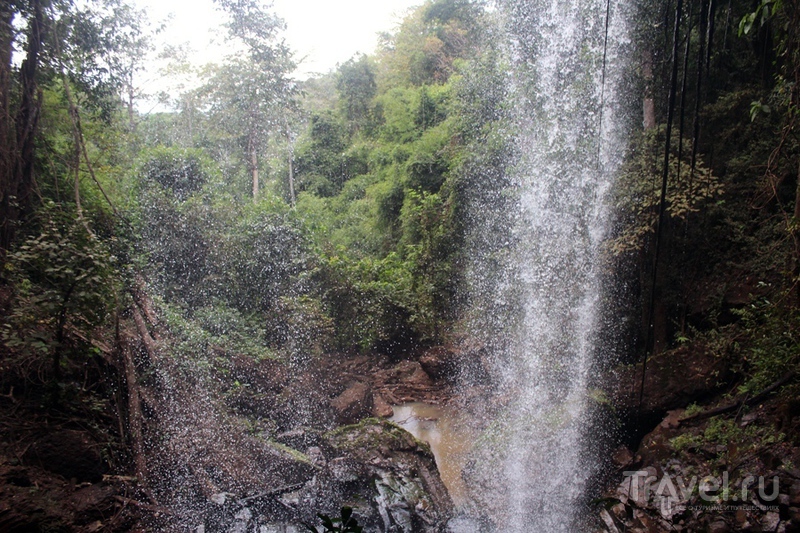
x,y
449,436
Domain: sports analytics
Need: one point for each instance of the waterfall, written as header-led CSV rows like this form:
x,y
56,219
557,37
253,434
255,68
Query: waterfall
x,y
565,88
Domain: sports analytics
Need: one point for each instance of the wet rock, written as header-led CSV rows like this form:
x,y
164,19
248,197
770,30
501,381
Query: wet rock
x,y
412,373
407,382
299,439
620,511
385,466
241,521
633,490
380,407
353,404
748,418
648,523
794,494
770,521
656,446
346,470
673,419
221,497
622,457
68,453
719,526
608,520
440,362
316,456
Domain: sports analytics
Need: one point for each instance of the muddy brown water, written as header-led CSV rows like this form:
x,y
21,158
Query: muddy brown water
x,y
449,435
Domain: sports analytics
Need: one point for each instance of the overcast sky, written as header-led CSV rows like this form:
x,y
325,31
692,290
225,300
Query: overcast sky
x,y
322,33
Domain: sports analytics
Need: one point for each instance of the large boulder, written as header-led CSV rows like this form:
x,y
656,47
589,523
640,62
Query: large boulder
x,y
390,478
353,404
439,362
378,469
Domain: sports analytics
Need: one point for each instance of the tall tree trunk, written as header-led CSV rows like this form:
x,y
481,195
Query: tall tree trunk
x,y
291,175
16,201
28,115
796,236
252,163
649,105
130,106
254,172
6,148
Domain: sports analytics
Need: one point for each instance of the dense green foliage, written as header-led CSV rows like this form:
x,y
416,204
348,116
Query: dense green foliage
x,y
377,176
64,277
329,224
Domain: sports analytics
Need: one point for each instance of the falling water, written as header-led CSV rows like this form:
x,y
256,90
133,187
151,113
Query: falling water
x,y
567,71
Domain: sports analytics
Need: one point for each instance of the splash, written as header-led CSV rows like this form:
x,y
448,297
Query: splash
x,y
565,86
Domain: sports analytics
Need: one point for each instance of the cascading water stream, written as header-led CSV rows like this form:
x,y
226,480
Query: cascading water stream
x,y
567,66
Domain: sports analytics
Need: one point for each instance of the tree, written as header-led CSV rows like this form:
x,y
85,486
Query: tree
x,y
174,220
19,125
247,100
355,83
428,42
62,42
249,95
64,281
321,166
781,18
128,43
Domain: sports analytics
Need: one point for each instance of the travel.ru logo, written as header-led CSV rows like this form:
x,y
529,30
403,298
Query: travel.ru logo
x,y
672,492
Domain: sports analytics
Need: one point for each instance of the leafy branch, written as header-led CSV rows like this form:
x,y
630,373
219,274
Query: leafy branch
x,y
346,524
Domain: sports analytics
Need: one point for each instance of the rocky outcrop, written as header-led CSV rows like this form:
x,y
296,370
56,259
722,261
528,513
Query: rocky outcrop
x,y
250,444
673,498
392,477
406,382
466,361
380,407
375,467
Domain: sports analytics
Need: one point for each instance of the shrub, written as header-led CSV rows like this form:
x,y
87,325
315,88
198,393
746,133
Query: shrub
x,y
64,285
